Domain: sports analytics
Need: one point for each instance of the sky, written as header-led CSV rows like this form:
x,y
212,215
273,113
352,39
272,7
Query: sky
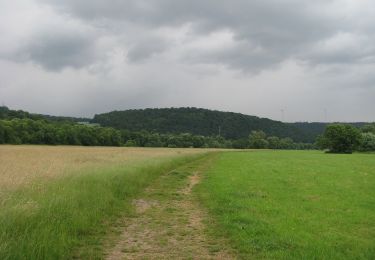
x,y
290,60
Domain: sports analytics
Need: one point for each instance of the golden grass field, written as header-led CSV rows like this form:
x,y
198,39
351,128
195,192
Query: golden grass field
x,y
56,199
21,164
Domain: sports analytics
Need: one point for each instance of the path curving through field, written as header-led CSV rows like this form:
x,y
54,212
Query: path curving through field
x,y
169,223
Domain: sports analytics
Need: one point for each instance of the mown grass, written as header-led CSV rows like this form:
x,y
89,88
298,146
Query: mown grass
x,y
52,220
293,204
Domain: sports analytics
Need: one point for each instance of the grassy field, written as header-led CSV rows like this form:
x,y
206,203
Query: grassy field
x,y
293,204
62,202
22,164
58,199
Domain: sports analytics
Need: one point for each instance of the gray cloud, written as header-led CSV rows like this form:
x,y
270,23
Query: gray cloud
x,y
304,30
55,51
50,40
145,48
212,53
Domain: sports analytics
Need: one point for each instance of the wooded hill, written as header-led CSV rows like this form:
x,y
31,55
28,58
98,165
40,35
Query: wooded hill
x,y
8,114
312,130
196,121
206,122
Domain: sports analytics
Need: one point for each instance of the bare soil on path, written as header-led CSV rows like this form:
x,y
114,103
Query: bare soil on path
x,y
168,222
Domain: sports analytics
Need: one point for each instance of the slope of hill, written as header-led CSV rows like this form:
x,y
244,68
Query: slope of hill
x,y
313,129
6,113
199,122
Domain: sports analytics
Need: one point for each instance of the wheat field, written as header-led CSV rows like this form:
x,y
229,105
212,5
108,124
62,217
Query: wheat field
x,y
20,165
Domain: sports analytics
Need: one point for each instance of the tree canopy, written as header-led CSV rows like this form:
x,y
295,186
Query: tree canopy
x,y
199,121
166,128
340,138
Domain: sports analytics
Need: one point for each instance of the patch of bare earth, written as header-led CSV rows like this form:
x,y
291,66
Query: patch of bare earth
x,y
168,225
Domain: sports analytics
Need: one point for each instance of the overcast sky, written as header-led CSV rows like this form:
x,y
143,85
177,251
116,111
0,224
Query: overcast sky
x,y
258,57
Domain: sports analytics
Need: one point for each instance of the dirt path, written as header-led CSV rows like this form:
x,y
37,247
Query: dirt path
x,y
168,223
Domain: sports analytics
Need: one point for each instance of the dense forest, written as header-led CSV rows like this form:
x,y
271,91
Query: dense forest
x,y
206,122
41,131
175,127
199,121
20,127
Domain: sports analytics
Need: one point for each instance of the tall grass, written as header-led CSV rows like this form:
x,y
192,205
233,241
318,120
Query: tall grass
x,y
22,164
51,220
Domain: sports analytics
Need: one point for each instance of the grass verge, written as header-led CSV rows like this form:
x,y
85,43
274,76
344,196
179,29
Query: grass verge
x,y
293,204
51,220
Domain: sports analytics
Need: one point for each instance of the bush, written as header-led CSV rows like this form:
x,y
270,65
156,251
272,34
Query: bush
x,y
130,143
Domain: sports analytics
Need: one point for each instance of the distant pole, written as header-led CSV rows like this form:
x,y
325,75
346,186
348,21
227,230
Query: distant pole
x,y
219,130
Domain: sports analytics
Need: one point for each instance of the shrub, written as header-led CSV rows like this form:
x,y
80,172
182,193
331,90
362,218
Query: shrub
x,y
130,143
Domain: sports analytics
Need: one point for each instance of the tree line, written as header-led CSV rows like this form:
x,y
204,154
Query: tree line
x,y
41,131
20,127
29,131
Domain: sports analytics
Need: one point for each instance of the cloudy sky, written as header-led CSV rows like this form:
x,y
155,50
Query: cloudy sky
x,y
257,57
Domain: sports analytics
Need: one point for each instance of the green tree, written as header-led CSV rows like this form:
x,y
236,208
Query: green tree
x,y
287,143
367,142
130,143
257,140
370,128
198,141
240,143
340,138
2,132
274,142
153,140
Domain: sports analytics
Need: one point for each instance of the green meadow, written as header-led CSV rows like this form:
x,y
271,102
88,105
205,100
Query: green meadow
x,y
293,204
